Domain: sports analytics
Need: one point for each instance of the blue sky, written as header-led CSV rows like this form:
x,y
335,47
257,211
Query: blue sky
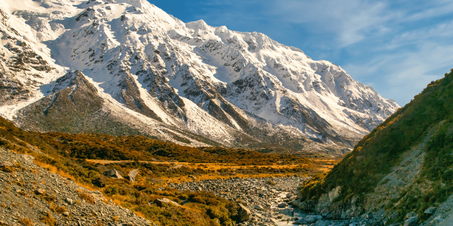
x,y
397,47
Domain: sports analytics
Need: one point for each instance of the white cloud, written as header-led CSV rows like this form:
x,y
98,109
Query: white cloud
x,y
402,75
349,20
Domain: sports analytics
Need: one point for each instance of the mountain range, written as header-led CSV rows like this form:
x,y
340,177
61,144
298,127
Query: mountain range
x,y
125,67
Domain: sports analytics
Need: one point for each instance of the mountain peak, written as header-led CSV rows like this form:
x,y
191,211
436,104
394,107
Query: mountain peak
x,y
198,25
150,73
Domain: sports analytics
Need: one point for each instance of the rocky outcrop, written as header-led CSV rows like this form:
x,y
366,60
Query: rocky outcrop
x,y
113,173
132,175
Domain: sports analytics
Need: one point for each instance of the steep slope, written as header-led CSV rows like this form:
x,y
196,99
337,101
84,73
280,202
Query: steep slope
x,y
149,73
54,199
399,170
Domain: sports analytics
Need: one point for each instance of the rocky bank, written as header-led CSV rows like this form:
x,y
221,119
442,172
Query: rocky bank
x,y
31,195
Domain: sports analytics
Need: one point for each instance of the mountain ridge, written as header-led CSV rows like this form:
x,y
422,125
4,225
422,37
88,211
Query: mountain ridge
x,y
182,82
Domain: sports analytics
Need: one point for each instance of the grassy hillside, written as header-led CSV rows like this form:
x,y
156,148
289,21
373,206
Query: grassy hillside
x,y
375,155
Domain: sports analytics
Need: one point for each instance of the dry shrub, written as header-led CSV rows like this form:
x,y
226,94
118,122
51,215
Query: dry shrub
x,y
48,219
26,222
60,209
54,169
87,197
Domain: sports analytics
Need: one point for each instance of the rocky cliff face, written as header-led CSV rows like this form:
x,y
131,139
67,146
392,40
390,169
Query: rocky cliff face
x,y
400,172
146,72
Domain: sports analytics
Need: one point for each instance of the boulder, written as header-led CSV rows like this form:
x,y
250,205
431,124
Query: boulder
x,y
282,205
431,210
243,213
410,215
113,173
132,174
40,191
286,211
334,193
411,221
69,201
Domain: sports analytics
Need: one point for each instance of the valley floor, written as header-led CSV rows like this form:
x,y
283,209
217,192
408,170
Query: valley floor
x,y
269,200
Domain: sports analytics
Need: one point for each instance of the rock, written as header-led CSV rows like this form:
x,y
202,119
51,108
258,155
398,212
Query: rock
x,y
66,214
69,201
289,195
259,207
411,221
40,191
431,210
334,193
113,173
282,205
243,213
193,177
160,202
312,218
132,174
286,211
410,215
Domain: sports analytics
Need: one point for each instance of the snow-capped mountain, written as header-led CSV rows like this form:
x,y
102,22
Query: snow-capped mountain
x,y
127,67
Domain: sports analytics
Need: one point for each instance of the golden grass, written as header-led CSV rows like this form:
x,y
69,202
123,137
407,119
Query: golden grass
x,y
319,165
54,169
206,166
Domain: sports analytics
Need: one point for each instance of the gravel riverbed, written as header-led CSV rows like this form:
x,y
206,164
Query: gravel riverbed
x,y
267,200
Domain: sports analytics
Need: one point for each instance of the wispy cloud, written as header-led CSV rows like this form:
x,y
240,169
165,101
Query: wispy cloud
x,y
403,74
350,21
397,46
